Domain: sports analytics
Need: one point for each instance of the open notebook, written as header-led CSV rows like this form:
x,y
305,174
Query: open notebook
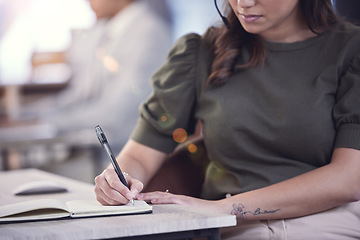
x,y
46,209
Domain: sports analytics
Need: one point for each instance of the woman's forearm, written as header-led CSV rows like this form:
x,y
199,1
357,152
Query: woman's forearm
x,y
315,191
140,161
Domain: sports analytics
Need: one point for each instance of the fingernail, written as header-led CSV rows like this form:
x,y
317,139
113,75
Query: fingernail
x,y
129,196
140,196
135,192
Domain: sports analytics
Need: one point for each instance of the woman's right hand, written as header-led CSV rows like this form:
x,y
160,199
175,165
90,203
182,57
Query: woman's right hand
x,y
110,191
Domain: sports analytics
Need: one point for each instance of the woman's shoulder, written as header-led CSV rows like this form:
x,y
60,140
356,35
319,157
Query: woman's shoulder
x,y
191,47
344,37
188,44
347,26
194,41
189,37
347,29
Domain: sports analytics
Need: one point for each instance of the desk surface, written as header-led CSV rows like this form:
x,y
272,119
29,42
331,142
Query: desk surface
x,y
164,219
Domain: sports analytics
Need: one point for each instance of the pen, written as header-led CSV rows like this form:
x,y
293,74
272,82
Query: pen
x,y
104,142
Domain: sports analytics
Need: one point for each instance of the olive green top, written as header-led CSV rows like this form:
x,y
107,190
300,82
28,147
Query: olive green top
x,y
267,124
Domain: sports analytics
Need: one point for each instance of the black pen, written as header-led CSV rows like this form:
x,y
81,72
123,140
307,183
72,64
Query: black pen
x,y
104,142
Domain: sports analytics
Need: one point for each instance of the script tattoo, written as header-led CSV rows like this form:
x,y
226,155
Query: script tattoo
x,y
240,211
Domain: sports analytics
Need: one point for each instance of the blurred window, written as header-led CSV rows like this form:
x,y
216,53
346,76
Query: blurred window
x,y
29,26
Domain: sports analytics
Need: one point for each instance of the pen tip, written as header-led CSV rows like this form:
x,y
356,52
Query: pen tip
x,y
132,201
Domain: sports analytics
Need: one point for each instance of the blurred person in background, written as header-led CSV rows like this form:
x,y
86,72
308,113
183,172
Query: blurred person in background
x,y
112,64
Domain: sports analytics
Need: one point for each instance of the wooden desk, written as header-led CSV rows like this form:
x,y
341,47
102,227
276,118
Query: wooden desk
x,y
167,221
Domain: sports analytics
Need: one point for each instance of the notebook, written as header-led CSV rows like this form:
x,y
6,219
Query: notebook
x,y
47,209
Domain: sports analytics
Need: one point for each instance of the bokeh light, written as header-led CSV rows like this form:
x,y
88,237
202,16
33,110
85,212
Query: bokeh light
x,y
110,63
179,135
192,148
166,121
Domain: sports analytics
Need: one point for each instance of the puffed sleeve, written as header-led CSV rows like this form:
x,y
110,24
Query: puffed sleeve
x,y
171,104
347,108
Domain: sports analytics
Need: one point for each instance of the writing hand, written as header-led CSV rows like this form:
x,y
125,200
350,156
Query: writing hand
x,y
110,191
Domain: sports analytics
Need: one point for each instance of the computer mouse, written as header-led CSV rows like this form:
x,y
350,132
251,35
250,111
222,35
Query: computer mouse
x,y
40,187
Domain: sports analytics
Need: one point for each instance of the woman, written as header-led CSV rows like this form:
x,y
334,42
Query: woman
x,y
279,98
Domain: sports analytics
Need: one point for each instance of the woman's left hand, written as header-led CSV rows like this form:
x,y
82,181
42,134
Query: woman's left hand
x,y
168,198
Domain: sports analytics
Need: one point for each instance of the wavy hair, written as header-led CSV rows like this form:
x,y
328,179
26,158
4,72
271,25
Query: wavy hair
x,y
227,44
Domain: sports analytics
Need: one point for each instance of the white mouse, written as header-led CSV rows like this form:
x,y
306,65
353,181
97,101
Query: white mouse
x,y
39,187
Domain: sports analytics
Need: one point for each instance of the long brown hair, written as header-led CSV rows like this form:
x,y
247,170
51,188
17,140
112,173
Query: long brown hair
x,y
227,44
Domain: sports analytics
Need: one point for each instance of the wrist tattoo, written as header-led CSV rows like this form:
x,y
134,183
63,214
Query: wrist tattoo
x,y
240,211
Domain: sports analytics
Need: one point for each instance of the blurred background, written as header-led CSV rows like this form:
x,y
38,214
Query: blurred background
x,y
68,65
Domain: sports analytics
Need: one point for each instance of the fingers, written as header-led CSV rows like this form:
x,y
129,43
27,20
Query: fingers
x,y
108,187
162,198
169,198
135,186
110,191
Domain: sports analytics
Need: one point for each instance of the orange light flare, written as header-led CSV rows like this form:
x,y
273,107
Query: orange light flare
x,y
192,148
110,63
179,135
